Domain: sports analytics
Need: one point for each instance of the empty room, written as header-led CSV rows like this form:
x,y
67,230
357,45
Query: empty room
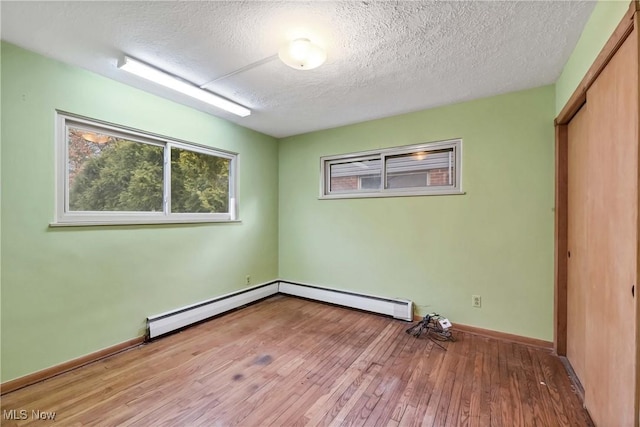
x,y
376,213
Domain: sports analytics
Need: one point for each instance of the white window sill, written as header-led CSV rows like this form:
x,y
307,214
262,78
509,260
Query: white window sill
x,y
142,222
389,194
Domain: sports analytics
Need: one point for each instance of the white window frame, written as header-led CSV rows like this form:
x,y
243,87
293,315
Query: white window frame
x,y
455,188
65,217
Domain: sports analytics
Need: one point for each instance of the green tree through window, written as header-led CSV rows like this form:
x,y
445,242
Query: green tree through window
x,y
199,182
117,175
108,174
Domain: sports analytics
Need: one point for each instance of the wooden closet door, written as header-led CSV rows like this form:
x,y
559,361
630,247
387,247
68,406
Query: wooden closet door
x,y
612,218
577,262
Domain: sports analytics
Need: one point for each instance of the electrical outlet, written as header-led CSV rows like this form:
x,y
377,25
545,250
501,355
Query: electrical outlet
x,y
247,280
476,301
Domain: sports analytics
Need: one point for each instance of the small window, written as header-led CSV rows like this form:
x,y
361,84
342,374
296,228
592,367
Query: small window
x,y
113,175
423,169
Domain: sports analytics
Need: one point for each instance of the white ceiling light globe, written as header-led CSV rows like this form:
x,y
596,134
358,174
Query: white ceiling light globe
x,y
301,54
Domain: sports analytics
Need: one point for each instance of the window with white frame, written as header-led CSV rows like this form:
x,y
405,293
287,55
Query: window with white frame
x,y
108,174
423,169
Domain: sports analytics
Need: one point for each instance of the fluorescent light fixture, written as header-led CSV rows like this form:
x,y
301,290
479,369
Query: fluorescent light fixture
x,y
148,72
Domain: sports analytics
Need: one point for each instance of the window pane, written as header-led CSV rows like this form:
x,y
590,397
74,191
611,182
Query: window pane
x,y
199,182
356,175
420,169
407,180
370,182
108,174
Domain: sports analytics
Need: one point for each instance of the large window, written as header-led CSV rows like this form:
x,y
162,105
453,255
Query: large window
x,y
112,175
423,169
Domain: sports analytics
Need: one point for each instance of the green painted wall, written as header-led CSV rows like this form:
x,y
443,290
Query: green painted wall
x,y
71,291
603,20
495,241
67,292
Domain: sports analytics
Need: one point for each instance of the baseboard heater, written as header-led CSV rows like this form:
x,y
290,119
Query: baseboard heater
x,y
397,308
177,319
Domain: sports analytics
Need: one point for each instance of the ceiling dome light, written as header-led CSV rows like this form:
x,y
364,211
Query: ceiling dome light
x,y
301,54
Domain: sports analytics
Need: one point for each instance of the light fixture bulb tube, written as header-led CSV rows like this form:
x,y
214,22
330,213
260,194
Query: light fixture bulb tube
x,y
148,72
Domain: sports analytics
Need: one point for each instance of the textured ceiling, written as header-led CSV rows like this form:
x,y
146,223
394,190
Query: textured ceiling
x,y
384,58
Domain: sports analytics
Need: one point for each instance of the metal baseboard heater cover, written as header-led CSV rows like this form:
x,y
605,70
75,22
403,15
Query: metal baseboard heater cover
x,y
177,319
397,308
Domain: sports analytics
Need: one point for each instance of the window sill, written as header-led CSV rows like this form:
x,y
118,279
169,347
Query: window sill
x,y
142,222
396,194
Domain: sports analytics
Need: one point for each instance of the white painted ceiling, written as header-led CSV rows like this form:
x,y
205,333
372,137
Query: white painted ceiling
x,y
384,58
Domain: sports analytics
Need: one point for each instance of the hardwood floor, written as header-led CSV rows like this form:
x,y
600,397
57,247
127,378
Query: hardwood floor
x,y
287,361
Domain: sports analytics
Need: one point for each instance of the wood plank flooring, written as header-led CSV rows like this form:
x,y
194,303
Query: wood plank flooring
x,y
287,361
